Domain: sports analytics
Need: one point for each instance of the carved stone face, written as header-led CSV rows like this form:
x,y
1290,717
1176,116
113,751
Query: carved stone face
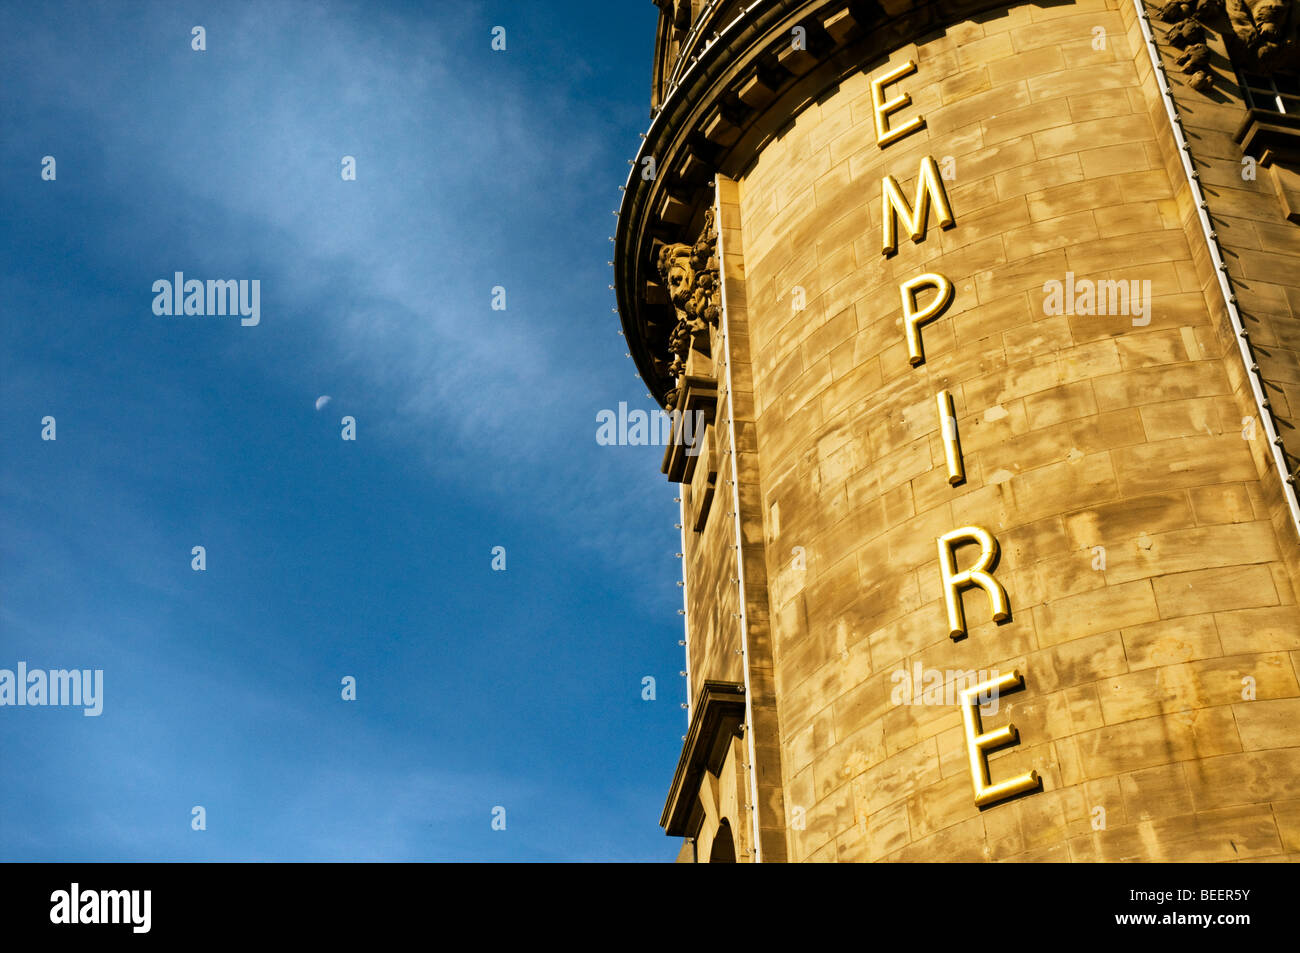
x,y
689,275
681,280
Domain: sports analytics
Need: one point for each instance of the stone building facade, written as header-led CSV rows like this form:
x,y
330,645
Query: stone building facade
x,y
991,313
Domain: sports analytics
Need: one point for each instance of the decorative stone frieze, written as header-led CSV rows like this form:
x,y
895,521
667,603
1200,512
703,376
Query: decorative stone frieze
x,y
1260,35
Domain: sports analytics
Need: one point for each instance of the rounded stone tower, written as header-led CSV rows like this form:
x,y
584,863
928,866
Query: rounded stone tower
x,y
977,328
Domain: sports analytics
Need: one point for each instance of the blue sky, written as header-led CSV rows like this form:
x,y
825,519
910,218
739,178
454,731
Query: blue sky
x,y
326,558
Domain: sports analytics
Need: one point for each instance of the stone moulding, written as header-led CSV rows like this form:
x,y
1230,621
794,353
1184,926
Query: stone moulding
x,y
718,717
696,400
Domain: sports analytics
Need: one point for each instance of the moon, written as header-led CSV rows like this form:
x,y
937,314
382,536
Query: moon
x,y
322,401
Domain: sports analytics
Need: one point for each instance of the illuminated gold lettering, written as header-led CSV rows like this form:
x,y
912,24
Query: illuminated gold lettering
x,y
912,318
979,742
948,429
882,107
929,188
978,575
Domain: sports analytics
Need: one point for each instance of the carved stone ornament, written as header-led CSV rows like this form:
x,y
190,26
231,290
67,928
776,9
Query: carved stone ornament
x,y
1260,35
690,273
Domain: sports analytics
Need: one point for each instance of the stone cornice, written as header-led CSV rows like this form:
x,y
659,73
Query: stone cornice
x,y
682,30
718,716
740,82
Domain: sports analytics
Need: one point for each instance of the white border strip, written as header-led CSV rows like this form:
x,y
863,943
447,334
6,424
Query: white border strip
x,y
1221,269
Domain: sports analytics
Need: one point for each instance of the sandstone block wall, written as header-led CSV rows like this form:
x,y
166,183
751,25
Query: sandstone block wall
x,y
1161,695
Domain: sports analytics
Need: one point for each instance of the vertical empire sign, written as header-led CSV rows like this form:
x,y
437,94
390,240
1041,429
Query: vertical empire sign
x,y
894,209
